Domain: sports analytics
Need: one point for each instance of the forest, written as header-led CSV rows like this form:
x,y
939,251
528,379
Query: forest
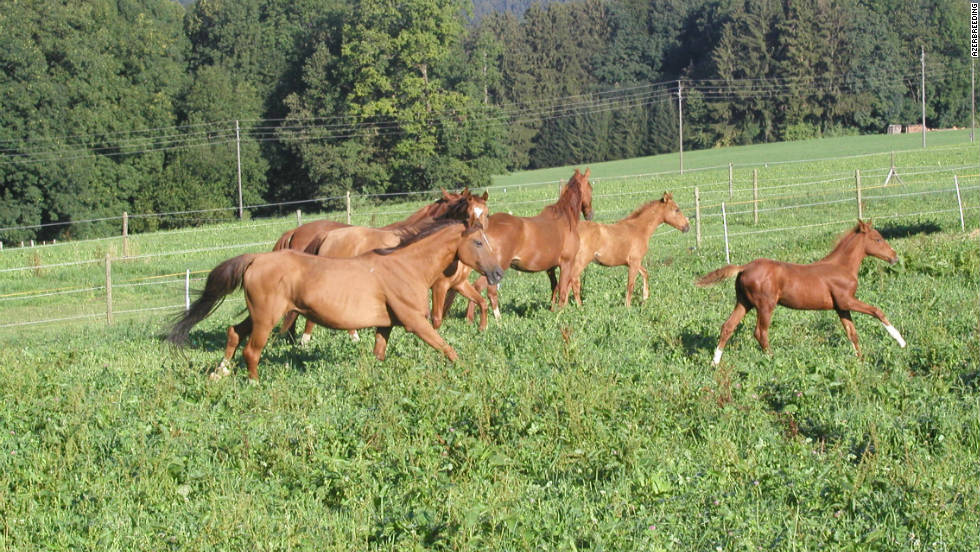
x,y
145,106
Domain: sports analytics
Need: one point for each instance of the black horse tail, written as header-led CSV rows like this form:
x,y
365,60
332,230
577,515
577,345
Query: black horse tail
x,y
224,279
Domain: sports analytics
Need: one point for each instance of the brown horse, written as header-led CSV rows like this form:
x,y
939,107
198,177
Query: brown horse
x,y
625,242
450,205
829,283
383,288
545,242
352,241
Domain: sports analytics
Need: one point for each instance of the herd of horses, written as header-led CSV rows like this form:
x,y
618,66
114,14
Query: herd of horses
x,y
353,277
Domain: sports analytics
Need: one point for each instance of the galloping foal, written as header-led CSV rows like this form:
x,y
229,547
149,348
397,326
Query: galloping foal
x,y
829,283
624,242
383,288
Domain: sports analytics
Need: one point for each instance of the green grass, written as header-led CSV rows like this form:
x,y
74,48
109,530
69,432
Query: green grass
x,y
599,428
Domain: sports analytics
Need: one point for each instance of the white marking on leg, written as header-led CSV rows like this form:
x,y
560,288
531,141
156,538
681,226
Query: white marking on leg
x,y
354,337
221,370
717,359
894,333
305,339
496,313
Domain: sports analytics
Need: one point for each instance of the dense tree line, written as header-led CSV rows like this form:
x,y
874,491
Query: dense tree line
x,y
132,105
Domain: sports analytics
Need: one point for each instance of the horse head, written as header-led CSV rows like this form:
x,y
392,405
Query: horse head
x,y
476,209
874,244
672,213
476,251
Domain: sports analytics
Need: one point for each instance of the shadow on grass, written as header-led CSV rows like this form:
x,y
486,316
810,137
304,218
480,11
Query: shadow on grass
x,y
695,343
890,231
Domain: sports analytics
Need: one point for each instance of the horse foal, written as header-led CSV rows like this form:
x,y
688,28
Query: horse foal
x,y
829,283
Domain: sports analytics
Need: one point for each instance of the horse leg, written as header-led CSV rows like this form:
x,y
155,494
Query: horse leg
x,y
854,304
479,285
494,300
564,282
253,349
577,289
845,320
288,326
467,290
554,285
630,282
646,287
417,324
307,334
763,318
440,297
741,308
235,335
381,334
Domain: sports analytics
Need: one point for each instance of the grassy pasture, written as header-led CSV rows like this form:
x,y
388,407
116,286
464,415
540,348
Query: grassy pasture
x,y
594,428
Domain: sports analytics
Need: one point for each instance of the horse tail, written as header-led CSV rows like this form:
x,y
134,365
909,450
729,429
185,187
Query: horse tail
x,y
284,240
313,248
224,279
722,273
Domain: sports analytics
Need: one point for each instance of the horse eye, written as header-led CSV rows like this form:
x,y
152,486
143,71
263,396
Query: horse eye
x,y
478,243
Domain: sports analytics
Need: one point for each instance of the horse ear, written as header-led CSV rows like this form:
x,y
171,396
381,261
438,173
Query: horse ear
x,y
862,226
445,194
667,197
577,173
588,171
486,195
466,192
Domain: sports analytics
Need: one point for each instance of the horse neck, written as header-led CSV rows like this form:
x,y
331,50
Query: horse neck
x,y
848,254
649,219
568,205
435,251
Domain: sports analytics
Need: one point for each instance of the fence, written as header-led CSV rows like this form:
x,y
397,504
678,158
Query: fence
x,y
151,274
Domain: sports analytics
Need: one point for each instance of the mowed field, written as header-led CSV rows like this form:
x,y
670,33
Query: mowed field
x,y
592,428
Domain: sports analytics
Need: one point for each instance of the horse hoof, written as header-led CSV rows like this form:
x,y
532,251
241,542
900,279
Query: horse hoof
x,y
354,337
496,313
305,340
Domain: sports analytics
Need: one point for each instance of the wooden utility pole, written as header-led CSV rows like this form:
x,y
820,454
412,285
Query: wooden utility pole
x,y
680,123
923,60
238,155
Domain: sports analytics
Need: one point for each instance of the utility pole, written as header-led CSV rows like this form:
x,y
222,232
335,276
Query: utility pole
x,y
238,156
973,98
923,61
680,123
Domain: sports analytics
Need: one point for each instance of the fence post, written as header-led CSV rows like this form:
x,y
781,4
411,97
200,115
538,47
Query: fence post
x,y
697,216
348,207
724,223
125,234
959,201
238,164
731,181
187,290
857,187
32,243
108,289
755,196
299,217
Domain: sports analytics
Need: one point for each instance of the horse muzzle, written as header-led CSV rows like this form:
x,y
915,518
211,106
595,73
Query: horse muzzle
x,y
893,260
495,276
687,228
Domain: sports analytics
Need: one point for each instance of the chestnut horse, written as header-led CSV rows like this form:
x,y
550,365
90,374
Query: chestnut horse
x,y
545,242
300,238
829,283
625,242
384,288
356,240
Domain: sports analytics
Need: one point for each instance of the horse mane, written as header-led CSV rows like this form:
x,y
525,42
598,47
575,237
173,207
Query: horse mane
x,y
408,236
844,239
570,201
642,209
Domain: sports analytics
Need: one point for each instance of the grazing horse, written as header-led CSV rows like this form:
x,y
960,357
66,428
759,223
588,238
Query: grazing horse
x,y
544,242
383,288
300,238
352,241
829,283
624,242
